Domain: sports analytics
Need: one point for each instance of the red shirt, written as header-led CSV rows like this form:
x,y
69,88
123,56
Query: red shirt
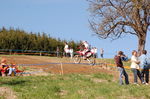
x,y
118,61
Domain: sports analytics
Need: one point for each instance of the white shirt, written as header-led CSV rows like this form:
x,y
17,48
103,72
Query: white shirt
x,y
86,45
66,47
95,50
71,50
92,50
134,59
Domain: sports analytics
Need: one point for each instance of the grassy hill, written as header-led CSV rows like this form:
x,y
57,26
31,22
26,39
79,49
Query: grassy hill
x,y
78,82
73,86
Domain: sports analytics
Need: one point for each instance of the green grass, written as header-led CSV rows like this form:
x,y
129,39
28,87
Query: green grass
x,y
111,61
73,86
2,97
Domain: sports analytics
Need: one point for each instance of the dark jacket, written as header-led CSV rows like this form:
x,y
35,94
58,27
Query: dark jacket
x,y
118,61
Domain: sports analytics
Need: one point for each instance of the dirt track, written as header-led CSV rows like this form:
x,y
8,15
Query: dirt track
x,y
56,68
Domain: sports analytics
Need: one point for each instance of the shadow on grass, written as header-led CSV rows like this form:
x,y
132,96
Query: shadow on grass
x,y
20,82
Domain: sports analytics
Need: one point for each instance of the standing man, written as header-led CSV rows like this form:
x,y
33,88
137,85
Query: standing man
x,y
57,51
101,52
118,60
95,52
144,67
66,49
71,52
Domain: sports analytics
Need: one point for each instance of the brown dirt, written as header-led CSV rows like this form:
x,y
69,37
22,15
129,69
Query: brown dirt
x,y
7,93
56,68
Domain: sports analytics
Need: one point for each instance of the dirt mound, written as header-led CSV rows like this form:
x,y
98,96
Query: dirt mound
x,y
7,93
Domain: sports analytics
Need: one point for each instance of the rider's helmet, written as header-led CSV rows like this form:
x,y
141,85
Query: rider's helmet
x,y
83,41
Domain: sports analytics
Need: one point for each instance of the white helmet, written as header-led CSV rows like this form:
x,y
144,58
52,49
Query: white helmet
x,y
83,41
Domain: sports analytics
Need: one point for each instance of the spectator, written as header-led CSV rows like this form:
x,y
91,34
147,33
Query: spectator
x,y
144,67
95,52
71,52
1,68
102,52
66,49
4,66
118,60
12,69
135,67
57,52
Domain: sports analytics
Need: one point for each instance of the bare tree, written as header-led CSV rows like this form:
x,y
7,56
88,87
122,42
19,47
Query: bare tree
x,y
114,18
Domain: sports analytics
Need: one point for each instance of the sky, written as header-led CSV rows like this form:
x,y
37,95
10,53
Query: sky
x,y
65,19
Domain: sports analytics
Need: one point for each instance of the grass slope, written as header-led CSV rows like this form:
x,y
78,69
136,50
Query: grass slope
x,y
73,86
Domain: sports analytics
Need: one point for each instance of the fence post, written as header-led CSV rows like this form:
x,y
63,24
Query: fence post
x,y
62,71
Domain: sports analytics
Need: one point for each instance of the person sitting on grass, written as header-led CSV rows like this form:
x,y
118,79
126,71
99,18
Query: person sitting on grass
x,y
1,70
19,70
12,69
4,66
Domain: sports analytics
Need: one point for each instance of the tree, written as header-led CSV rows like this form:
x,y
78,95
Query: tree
x,y
114,18
17,39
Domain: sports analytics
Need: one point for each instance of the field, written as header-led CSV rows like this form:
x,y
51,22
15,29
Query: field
x,y
78,81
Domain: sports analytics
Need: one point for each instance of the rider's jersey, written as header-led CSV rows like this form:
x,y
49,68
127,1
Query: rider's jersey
x,y
66,47
86,45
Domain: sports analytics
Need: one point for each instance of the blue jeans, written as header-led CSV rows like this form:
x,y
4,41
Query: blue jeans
x,y
11,70
145,73
136,74
122,73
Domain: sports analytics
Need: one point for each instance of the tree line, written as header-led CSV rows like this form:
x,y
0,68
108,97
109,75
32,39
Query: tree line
x,y
22,40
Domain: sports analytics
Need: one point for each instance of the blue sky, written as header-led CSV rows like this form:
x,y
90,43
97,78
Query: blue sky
x,y
65,19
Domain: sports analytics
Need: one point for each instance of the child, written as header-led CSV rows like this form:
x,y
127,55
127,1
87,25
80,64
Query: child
x,y
3,66
12,69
